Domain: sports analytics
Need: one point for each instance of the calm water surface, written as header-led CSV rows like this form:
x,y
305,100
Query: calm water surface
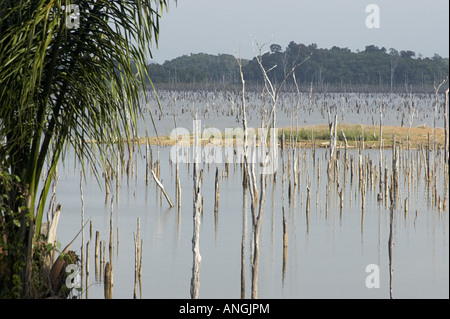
x,y
327,253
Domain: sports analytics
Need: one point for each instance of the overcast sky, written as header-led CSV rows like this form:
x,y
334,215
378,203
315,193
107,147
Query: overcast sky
x,y
228,26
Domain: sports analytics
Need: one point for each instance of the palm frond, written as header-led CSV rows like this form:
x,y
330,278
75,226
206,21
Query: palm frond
x,y
63,86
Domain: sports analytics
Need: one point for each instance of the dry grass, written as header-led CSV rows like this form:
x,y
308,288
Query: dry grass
x,y
418,135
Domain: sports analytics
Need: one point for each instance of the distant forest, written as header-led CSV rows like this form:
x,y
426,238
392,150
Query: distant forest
x,y
337,68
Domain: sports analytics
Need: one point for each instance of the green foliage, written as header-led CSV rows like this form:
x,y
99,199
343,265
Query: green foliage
x,y
306,134
352,133
12,254
341,67
336,67
65,85
196,68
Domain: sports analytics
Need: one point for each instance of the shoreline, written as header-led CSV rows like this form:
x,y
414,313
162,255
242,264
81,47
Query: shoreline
x,y
419,135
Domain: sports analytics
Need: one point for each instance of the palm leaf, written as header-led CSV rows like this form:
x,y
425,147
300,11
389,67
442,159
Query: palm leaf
x,y
70,86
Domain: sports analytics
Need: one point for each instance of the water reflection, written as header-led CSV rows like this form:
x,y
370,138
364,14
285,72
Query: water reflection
x,y
390,249
343,229
244,238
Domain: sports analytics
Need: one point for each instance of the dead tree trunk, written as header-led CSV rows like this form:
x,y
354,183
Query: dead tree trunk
x,y
195,281
446,127
436,91
161,186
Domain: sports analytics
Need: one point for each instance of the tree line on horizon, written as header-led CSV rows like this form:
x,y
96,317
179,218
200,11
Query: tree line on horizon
x,y
385,69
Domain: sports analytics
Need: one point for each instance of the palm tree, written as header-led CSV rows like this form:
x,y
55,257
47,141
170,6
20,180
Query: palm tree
x,y
71,74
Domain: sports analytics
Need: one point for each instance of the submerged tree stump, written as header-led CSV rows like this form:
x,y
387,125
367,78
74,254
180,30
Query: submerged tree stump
x,y
108,281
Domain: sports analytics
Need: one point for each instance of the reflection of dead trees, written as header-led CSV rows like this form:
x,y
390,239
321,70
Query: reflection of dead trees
x,y
253,188
308,206
87,270
391,244
138,243
177,179
249,179
217,195
285,245
341,196
257,222
244,227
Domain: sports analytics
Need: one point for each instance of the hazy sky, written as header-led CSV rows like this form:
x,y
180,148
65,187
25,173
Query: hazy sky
x,y
227,26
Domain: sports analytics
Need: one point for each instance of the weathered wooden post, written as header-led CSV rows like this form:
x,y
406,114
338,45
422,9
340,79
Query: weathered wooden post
x,y
108,281
111,231
195,280
406,207
137,259
96,254
395,168
87,270
161,186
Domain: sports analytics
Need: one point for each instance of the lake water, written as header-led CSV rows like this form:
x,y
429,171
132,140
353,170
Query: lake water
x,y
328,249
